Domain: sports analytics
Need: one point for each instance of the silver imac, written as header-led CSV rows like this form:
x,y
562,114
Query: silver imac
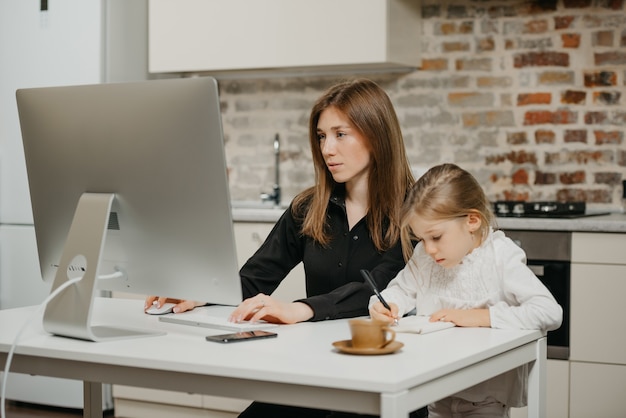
x,y
129,191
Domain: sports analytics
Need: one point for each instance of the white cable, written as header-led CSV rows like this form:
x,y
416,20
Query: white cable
x,y
7,365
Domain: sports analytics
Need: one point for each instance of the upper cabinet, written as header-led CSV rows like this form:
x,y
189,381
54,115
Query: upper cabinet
x,y
194,36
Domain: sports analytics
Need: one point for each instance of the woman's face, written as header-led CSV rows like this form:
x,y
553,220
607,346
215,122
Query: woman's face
x,y
344,149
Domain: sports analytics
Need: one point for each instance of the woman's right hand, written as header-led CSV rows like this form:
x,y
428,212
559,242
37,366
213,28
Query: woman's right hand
x,y
380,313
181,305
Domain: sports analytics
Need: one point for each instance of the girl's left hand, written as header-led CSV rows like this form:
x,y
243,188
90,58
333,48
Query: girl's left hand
x,y
463,317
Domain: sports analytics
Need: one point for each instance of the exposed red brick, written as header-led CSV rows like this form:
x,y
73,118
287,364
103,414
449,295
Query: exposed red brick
x,y
438,64
455,46
573,97
592,118
608,137
570,40
536,26
533,98
576,177
447,28
611,178
610,58
471,120
520,177
556,77
576,135
515,195
542,177
563,22
600,79
545,137
602,38
576,4
558,117
472,99
516,157
494,81
474,64
579,195
607,97
486,44
516,138
541,59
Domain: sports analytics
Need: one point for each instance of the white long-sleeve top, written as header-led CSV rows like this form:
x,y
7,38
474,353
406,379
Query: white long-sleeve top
x,y
493,276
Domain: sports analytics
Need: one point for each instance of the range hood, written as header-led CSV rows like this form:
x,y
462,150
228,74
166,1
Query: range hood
x,y
219,37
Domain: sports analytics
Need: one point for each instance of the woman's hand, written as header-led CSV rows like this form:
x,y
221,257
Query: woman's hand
x,y
264,307
463,317
181,305
380,313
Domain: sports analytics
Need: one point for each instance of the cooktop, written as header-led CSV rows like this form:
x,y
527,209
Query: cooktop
x,y
543,209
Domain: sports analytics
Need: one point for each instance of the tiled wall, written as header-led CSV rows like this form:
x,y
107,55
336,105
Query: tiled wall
x,y
527,95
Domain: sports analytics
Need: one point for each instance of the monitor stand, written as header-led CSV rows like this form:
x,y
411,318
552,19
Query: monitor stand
x,y
69,313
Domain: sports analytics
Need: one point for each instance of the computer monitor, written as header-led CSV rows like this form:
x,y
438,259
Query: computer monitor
x,y
129,190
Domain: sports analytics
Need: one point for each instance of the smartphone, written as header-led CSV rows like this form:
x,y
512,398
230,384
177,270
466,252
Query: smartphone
x,y
241,336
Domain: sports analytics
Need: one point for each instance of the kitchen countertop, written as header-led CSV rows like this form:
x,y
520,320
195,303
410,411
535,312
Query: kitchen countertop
x,y
615,222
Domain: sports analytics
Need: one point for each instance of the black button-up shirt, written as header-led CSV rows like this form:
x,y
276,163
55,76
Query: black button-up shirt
x,y
334,285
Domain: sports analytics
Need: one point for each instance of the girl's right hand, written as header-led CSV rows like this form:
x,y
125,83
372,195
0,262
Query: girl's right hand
x,y
380,313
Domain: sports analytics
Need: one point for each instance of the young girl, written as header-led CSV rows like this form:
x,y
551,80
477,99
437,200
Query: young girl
x,y
462,271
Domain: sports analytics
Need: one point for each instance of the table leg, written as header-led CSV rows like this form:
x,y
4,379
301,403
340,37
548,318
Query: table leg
x,y
537,381
92,398
393,405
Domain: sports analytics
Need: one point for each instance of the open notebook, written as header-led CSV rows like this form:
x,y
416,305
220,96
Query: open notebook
x,y
420,325
214,317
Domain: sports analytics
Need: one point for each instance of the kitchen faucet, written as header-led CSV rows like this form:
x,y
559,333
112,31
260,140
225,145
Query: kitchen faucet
x,y
275,195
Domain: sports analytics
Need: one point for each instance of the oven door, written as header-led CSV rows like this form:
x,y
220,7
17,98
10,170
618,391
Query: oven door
x,y
555,275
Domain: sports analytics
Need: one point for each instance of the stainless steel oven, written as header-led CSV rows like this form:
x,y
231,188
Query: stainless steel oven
x,y
549,257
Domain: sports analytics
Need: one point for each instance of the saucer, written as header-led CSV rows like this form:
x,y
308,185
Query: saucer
x,y
345,346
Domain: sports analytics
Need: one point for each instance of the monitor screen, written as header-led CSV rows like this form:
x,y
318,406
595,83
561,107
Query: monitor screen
x,y
129,190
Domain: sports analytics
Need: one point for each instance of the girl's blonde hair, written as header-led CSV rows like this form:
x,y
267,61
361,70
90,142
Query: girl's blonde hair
x,y
371,113
444,192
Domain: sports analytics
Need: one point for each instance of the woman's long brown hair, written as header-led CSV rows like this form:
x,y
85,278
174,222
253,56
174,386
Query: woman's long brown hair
x,y
370,111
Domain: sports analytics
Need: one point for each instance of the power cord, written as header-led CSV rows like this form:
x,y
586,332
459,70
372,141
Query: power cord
x,y
7,365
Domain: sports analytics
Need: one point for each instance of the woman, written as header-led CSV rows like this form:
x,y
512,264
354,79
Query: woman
x,y
348,221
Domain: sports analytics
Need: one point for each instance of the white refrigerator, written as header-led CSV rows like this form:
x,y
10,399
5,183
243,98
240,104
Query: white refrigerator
x,y
50,43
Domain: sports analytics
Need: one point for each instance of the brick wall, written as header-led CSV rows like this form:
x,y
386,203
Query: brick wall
x,y
526,95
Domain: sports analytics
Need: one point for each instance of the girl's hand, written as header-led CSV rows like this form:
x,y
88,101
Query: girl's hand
x,y
181,305
264,307
463,317
380,313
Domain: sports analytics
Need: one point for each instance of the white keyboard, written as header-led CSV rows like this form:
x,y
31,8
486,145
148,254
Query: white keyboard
x,y
202,318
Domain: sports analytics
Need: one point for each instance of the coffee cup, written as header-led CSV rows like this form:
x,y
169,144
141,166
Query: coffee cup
x,y
370,333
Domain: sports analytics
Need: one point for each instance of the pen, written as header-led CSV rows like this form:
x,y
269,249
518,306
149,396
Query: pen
x,y
368,278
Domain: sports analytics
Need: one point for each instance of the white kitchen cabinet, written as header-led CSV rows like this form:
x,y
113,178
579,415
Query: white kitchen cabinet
x,y
132,402
597,330
224,35
557,395
598,286
597,390
249,237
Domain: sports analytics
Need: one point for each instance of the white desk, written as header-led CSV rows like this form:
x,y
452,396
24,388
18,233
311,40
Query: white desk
x,y
300,367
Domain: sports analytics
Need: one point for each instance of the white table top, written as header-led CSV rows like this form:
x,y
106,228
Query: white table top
x,y
302,354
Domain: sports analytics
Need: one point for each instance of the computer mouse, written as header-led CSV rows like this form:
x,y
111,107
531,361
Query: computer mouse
x,y
164,309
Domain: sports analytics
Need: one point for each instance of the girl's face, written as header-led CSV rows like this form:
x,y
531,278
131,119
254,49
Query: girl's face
x,y
447,241
344,149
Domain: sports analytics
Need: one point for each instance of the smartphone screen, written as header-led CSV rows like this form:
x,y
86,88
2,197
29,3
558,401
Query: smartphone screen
x,y
240,336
